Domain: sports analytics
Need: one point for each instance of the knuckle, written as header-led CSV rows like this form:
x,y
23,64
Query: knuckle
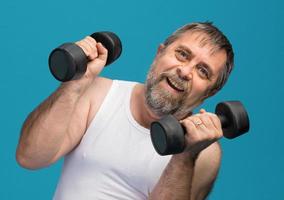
x,y
217,134
205,117
209,136
197,115
79,43
82,44
92,56
185,121
220,133
213,115
213,135
89,38
85,50
195,119
94,53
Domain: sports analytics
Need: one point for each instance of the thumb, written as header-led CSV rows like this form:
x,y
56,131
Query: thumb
x,y
202,111
102,52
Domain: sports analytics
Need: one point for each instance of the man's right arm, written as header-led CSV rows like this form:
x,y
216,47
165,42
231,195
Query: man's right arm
x,y
57,125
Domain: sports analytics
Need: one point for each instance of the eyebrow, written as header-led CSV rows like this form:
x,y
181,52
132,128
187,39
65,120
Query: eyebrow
x,y
208,68
204,64
185,48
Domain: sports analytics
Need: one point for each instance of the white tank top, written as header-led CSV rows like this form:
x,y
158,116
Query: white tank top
x,y
115,159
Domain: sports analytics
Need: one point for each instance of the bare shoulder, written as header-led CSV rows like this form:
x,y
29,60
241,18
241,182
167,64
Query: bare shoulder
x,y
96,93
99,84
206,170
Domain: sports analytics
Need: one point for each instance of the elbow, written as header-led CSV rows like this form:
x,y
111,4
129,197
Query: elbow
x,y
26,162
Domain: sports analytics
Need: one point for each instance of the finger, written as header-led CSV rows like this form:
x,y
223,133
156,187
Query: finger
x,y
102,51
207,122
84,46
208,127
196,119
92,52
188,125
216,122
202,111
92,42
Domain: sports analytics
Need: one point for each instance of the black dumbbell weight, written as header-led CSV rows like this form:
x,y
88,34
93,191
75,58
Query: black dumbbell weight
x,y
167,134
69,62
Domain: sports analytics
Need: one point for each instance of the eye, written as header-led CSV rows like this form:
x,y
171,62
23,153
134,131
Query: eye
x,y
182,55
203,71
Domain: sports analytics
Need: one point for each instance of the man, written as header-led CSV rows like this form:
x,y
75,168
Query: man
x,y
101,126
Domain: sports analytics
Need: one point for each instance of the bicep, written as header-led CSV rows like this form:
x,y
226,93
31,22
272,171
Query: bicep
x,y
83,113
205,171
76,127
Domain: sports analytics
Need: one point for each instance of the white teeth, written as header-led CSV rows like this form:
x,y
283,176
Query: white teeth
x,y
175,84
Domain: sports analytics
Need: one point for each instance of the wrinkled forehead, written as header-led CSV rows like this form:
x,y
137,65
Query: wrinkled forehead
x,y
203,39
201,45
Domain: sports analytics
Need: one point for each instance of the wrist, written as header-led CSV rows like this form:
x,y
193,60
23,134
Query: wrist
x,y
185,158
76,86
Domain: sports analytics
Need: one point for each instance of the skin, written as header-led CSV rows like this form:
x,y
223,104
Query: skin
x,y
197,84
57,125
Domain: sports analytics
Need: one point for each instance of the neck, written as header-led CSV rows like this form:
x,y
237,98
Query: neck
x,y
139,108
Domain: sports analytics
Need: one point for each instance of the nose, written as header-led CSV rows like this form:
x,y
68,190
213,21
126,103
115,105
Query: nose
x,y
185,72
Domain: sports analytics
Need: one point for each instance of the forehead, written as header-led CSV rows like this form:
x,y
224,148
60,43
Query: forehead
x,y
202,47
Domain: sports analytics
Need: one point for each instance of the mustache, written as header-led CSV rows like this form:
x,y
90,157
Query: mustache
x,y
184,84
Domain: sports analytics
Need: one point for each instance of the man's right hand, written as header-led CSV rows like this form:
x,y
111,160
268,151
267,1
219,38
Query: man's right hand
x,y
97,55
58,124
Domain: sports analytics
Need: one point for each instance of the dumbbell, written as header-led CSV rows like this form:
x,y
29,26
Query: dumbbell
x,y
167,134
69,62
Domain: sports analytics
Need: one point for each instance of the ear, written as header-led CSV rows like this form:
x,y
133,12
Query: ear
x,y
160,49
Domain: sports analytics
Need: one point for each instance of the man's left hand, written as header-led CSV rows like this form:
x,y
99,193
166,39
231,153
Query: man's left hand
x,y
202,130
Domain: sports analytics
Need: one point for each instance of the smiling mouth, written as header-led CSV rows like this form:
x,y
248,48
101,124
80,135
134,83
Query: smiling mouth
x,y
174,85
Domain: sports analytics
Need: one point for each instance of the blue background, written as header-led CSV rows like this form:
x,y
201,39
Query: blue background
x,y
252,166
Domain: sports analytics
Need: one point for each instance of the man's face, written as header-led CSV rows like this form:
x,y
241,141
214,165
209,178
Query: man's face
x,y
182,74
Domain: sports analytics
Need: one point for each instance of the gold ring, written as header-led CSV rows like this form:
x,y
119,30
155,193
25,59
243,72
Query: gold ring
x,y
198,123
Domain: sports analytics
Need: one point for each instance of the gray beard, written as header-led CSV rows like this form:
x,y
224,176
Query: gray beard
x,y
161,101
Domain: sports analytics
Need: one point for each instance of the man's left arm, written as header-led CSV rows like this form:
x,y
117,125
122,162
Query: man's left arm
x,y
188,176
205,171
